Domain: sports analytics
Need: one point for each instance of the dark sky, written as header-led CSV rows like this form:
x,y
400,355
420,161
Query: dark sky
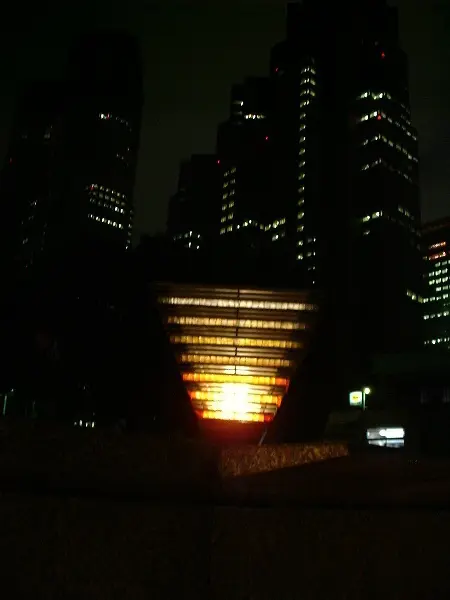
x,y
193,53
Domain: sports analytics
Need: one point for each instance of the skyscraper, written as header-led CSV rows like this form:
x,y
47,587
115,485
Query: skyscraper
x,y
194,208
436,307
69,174
348,164
102,128
319,168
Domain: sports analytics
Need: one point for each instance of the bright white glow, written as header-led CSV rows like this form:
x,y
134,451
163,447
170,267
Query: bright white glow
x,y
235,398
392,433
367,391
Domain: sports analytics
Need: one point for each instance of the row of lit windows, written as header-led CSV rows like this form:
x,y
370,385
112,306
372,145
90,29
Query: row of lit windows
x,y
232,170
220,398
414,296
437,281
379,95
436,298
304,103
308,70
107,221
438,245
308,255
227,341
107,197
437,315
375,215
188,234
227,378
279,235
380,161
229,205
109,117
308,241
247,361
436,256
107,205
381,115
436,273
308,92
251,116
229,217
437,341
233,416
275,224
223,303
399,147
227,183
306,80
95,186
246,323
375,95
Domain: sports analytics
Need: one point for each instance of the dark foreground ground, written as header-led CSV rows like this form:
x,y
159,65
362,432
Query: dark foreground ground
x,y
91,515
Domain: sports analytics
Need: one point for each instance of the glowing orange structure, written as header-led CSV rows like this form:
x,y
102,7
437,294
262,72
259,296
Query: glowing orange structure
x,y
236,348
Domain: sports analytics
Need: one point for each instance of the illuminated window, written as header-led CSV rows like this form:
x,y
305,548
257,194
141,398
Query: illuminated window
x,y
229,341
227,378
231,303
244,323
246,361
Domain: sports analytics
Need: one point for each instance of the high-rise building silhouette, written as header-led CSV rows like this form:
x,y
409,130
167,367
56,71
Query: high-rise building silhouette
x,y
68,179
319,165
193,209
436,306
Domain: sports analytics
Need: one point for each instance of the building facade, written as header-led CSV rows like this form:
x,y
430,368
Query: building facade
x,y
436,307
68,178
194,208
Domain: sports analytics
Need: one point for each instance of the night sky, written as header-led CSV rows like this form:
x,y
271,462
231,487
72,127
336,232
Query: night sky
x,y
193,53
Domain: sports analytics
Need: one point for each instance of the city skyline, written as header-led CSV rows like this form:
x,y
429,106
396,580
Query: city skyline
x,y
188,92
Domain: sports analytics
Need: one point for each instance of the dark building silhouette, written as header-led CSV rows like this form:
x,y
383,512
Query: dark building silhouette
x,y
194,208
68,178
436,305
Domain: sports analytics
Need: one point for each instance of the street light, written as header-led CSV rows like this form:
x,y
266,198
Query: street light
x,y
366,391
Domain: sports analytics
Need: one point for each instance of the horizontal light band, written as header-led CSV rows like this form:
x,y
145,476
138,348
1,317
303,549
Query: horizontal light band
x,y
223,397
228,341
226,378
242,417
250,408
249,361
245,323
254,304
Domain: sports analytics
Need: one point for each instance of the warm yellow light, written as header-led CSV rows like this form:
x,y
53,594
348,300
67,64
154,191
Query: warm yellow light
x,y
229,303
243,418
209,359
230,341
225,393
226,378
244,323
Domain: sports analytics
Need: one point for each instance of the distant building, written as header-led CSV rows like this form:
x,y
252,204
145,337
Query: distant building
x,y
436,307
194,209
68,179
319,177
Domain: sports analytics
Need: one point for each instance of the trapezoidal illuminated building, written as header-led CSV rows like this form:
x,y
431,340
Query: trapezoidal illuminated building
x,y
236,348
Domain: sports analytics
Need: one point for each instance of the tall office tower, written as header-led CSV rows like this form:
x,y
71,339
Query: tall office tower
x,y
102,128
244,151
69,174
28,186
194,209
436,307
347,160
